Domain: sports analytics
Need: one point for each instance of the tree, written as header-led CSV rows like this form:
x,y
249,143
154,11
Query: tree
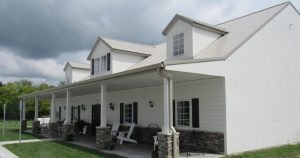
x,y
9,95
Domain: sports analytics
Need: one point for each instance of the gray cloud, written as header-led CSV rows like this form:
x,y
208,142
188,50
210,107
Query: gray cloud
x,y
60,30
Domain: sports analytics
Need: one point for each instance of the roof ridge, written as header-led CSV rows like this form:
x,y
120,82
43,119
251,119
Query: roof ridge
x,y
286,3
111,38
77,62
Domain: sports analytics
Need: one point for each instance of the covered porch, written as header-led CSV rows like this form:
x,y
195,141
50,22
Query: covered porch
x,y
151,100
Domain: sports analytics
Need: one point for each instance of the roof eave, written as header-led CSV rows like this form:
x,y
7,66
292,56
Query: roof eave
x,y
93,80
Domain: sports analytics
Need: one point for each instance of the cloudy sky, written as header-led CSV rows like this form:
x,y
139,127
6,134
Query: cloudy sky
x,y
38,37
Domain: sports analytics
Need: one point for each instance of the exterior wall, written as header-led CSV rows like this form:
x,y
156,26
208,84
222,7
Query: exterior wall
x,y
123,61
79,74
202,38
180,27
262,87
100,50
209,91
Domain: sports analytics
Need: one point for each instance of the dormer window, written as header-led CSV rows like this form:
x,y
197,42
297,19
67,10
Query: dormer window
x,y
101,64
178,44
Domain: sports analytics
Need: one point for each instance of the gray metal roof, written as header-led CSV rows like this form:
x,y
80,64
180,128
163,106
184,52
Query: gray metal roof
x,y
77,65
195,23
240,30
119,45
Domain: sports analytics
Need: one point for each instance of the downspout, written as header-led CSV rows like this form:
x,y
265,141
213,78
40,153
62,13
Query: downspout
x,y
168,76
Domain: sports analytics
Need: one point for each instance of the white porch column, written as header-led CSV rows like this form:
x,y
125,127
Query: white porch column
x,y
165,126
52,111
24,110
68,117
36,108
103,104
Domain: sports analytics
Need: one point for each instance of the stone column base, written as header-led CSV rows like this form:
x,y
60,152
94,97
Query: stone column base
x,y
53,129
68,132
24,125
165,145
103,136
36,128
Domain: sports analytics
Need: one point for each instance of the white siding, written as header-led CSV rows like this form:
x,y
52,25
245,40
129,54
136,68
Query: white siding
x,y
202,38
180,27
262,87
79,74
68,75
123,61
210,93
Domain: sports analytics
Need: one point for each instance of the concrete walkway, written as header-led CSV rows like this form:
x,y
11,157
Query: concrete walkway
x,y
4,153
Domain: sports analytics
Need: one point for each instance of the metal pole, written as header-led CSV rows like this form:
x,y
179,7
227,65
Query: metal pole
x,y
20,109
3,127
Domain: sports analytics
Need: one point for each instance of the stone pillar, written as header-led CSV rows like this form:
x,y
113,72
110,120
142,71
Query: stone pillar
x,y
36,128
24,125
68,132
36,108
53,129
165,145
103,137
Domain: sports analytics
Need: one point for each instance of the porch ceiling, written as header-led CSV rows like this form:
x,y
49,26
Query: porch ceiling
x,y
140,80
137,81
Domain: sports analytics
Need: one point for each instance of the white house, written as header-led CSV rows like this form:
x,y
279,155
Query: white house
x,y
226,88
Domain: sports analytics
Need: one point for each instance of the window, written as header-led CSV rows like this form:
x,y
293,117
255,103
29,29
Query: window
x,y
103,63
128,113
178,44
183,113
96,65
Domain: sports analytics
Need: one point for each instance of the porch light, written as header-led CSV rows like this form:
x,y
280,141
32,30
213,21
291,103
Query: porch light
x,y
111,106
151,104
83,107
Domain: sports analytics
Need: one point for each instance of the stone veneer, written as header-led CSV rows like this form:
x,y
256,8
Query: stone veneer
x,y
103,136
68,132
200,141
24,125
53,129
36,128
189,140
165,145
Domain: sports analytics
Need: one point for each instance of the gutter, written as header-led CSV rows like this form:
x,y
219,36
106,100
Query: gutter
x,y
163,73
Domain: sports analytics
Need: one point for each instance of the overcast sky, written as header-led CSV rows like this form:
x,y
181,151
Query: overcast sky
x,y
38,37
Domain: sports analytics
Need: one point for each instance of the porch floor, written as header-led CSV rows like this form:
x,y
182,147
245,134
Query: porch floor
x,y
129,150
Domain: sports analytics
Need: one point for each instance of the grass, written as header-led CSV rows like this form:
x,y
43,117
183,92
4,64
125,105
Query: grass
x,y
12,131
286,151
50,149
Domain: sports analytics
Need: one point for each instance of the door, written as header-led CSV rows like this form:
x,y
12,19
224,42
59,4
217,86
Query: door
x,y
95,118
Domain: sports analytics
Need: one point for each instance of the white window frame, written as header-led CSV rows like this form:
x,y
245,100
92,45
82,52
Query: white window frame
x,y
190,113
124,113
103,67
178,44
96,65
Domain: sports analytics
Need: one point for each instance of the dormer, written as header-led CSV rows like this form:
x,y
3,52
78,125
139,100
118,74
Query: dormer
x,y
110,56
187,37
75,72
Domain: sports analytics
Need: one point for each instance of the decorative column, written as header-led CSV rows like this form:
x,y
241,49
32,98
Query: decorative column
x,y
24,121
103,135
53,125
167,140
36,124
68,127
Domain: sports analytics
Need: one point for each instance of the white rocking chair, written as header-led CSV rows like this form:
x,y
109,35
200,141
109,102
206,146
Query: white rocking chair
x,y
125,135
115,129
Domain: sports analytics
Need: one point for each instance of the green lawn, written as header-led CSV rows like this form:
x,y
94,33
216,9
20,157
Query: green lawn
x,y
12,131
50,149
287,151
